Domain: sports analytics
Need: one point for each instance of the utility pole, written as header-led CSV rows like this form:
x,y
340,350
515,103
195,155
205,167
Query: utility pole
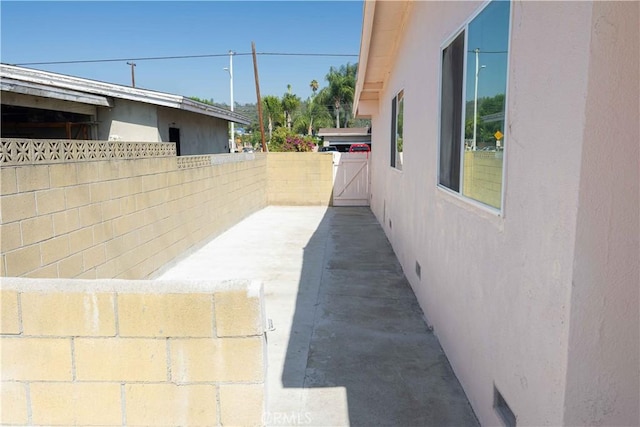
x,y
475,100
255,73
133,74
232,146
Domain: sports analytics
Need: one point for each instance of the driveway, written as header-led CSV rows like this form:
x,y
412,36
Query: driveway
x,y
350,345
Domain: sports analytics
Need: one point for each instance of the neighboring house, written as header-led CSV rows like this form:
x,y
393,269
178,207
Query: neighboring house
x,y
514,210
342,138
42,105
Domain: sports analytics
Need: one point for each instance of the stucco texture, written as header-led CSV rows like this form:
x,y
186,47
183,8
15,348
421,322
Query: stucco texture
x,y
603,383
128,121
199,134
499,287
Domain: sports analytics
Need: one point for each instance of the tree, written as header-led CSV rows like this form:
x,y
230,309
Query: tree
x,y
314,87
490,118
306,117
290,104
311,116
339,94
272,109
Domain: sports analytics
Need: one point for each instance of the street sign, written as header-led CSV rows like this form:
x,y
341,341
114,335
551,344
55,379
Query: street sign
x,y
498,135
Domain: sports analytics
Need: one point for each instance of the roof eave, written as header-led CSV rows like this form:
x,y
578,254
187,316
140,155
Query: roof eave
x,y
35,89
365,41
93,88
188,104
382,33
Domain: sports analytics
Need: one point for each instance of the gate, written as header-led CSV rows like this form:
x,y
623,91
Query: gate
x,y
351,179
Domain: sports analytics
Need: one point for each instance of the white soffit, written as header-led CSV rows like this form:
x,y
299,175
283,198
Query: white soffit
x,y
382,28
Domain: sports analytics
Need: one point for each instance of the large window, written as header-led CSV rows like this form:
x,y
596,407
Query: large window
x,y
397,119
472,106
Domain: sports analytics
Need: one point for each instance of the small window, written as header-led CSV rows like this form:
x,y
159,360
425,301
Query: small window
x,y
473,106
397,113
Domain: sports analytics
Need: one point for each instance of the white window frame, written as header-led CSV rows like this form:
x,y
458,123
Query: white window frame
x,y
446,43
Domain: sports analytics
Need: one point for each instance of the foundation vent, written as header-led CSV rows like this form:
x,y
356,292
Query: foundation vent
x,y
502,408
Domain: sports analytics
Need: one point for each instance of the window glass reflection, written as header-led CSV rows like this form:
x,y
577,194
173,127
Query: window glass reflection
x,y
484,110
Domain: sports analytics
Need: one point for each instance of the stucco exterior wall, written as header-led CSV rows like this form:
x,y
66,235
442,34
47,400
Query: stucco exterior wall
x,y
105,352
603,384
496,287
128,121
199,134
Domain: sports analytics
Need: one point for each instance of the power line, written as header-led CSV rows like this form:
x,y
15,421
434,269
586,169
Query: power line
x,y
155,58
488,51
306,54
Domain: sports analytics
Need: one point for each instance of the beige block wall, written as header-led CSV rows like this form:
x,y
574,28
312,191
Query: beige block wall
x,y
483,176
129,217
299,178
152,353
120,218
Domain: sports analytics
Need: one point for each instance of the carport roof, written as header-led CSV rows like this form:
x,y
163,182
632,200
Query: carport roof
x,y
52,85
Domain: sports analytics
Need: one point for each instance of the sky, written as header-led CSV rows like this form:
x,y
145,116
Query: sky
x,y
488,32
68,31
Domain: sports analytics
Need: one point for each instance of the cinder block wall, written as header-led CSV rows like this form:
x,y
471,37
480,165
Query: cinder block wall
x,y
119,218
483,176
116,352
299,178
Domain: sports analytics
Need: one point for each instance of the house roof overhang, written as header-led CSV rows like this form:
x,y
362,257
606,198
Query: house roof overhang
x,y
382,28
53,85
44,91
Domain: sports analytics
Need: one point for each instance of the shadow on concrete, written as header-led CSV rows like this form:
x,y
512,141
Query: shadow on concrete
x,y
357,326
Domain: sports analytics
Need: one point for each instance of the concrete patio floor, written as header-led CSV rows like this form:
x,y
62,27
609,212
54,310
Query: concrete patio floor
x,y
350,345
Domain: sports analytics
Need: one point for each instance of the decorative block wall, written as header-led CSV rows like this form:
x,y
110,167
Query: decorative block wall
x,y
121,211
116,352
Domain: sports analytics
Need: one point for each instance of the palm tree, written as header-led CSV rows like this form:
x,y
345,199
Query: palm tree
x,y
314,87
290,103
312,116
314,110
273,109
339,93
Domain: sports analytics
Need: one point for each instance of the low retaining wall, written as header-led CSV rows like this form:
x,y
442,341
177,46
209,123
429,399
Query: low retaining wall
x,y
116,352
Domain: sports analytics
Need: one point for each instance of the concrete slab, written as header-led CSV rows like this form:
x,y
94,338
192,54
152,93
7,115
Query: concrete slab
x,y
350,346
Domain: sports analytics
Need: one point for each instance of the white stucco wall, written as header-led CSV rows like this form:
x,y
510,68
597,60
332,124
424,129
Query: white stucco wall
x,y
603,384
498,289
129,121
199,134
